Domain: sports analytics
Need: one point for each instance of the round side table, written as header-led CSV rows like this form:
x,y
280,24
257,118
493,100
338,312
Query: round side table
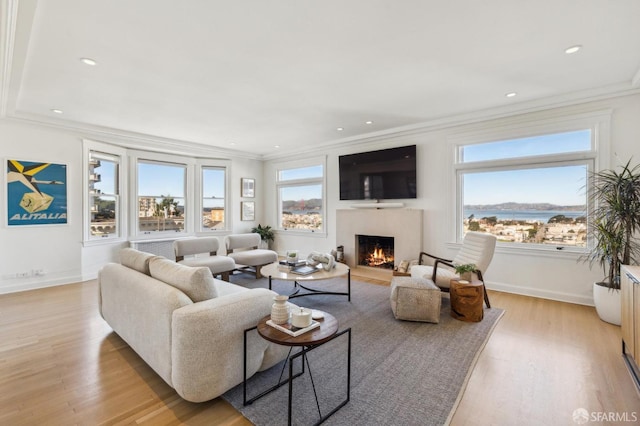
x,y
467,298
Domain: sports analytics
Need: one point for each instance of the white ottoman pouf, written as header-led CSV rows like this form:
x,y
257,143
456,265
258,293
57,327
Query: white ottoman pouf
x,y
415,299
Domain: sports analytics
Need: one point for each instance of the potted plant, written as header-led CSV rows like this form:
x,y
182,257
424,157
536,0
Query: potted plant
x,y
615,197
465,271
265,232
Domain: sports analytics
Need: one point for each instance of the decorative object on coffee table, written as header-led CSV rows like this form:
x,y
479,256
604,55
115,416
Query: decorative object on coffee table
x,y
467,298
292,256
325,259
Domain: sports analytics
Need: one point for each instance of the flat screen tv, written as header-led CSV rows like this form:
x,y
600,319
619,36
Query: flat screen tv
x,y
386,174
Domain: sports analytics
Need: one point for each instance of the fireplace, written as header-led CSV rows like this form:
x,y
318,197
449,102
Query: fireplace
x,y
404,225
375,251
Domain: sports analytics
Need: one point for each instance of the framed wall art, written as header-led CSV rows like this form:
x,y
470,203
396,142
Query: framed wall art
x,y
36,193
248,187
248,210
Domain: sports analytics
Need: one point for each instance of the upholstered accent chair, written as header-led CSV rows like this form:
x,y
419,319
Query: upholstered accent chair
x,y
244,250
219,265
477,248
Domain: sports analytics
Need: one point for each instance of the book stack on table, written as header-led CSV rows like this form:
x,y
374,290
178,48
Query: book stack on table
x,y
285,266
292,330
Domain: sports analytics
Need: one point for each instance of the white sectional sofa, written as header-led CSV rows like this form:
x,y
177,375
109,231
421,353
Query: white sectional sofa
x,y
188,326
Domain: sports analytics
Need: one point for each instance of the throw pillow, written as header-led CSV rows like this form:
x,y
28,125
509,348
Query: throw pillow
x,y
136,260
195,282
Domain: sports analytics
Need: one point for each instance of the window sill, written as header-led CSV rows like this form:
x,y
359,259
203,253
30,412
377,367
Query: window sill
x,y
301,233
535,250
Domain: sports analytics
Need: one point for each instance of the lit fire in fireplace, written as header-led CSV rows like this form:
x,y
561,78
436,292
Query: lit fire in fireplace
x,y
378,258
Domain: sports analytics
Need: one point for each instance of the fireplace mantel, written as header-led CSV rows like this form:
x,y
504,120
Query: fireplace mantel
x,y
404,225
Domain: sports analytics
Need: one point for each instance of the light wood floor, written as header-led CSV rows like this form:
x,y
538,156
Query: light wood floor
x,y
60,363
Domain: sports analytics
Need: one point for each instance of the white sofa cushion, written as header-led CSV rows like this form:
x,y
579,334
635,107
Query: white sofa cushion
x,y
136,260
197,283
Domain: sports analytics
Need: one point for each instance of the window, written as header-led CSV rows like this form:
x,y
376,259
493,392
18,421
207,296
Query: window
x,y
161,196
213,198
104,195
301,198
527,190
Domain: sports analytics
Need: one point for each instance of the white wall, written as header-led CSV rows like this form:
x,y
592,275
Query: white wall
x,y
554,275
59,249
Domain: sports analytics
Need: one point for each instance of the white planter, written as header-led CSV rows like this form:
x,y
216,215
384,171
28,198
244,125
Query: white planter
x,y
608,304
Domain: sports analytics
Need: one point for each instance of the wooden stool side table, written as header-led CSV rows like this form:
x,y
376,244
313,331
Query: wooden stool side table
x,y
467,298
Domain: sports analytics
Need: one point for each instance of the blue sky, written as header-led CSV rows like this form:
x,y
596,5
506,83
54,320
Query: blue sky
x,y
557,185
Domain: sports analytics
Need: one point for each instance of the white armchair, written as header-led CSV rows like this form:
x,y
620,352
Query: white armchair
x,y
219,265
477,248
243,249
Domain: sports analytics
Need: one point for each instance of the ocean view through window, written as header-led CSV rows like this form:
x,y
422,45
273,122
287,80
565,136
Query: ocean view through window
x,y
528,190
301,200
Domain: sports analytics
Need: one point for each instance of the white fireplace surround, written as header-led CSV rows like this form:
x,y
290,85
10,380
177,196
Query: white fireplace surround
x,y
404,225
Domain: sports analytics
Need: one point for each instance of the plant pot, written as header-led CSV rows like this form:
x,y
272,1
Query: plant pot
x,y
608,304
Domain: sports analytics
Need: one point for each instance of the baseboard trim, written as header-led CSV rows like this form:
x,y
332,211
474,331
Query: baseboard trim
x,y
14,286
542,294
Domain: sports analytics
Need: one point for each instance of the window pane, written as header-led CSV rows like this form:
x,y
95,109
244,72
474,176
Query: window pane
x,y
528,147
213,198
161,214
301,207
301,173
103,195
542,205
103,215
161,179
161,190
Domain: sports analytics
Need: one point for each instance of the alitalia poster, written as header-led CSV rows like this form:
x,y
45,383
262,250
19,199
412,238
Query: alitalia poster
x,y
36,193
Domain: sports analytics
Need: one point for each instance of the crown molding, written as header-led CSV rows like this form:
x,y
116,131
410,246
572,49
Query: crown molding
x,y
527,107
131,140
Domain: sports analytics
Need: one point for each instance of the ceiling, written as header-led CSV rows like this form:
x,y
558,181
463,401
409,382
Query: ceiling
x,y
254,74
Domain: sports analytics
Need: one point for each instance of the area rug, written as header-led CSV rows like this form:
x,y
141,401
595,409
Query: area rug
x,y
402,373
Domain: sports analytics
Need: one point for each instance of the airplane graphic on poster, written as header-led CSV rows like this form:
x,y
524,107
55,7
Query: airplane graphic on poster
x,y
26,193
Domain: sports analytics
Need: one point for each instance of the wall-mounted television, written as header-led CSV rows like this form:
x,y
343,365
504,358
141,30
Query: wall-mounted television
x,y
386,174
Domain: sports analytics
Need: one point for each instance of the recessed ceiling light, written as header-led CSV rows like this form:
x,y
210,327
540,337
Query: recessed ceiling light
x,y
232,144
340,129
88,61
276,146
572,49
368,122
510,94
57,111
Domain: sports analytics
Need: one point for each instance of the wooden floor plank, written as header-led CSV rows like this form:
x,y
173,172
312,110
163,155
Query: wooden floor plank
x,y
60,363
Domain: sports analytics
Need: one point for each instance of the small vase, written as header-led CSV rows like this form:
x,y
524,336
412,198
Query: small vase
x,y
280,310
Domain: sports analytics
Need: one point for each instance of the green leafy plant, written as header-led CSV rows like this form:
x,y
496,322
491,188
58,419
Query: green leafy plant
x,y
615,197
265,232
467,267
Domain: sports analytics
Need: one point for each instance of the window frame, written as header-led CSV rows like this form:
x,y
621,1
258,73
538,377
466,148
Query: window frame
x,y
322,181
88,147
202,165
596,158
162,159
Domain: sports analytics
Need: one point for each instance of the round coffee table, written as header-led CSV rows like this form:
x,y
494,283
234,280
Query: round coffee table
x,y
274,272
